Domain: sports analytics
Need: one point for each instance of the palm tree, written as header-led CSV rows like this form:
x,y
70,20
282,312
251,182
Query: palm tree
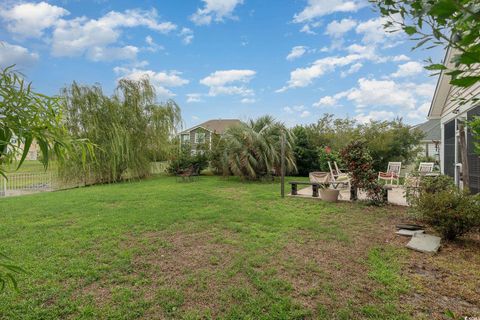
x,y
252,150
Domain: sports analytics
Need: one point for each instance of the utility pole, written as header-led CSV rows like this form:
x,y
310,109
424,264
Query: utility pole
x,y
282,163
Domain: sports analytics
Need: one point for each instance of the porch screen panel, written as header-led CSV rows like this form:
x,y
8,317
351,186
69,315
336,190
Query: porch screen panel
x,y
473,158
449,148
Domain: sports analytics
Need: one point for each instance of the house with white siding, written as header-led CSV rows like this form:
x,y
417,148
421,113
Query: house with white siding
x,y
200,136
431,141
453,106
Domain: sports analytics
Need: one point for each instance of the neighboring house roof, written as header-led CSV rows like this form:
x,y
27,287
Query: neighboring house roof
x,y
218,126
431,130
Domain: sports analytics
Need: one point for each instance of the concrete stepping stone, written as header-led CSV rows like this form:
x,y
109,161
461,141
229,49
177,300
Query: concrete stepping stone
x,y
424,243
408,233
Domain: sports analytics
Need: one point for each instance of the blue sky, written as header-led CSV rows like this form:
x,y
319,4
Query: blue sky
x,y
293,59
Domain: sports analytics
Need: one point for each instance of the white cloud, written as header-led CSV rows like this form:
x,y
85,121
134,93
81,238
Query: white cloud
x,y
298,109
391,97
425,90
149,40
187,35
374,116
327,101
373,31
354,68
408,69
297,52
112,53
162,80
305,114
400,58
371,92
12,54
306,29
337,29
215,10
420,113
194,97
152,45
319,8
81,36
31,19
302,77
248,100
229,82
223,77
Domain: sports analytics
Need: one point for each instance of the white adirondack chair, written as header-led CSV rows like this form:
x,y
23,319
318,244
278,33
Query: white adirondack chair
x,y
424,168
338,176
393,173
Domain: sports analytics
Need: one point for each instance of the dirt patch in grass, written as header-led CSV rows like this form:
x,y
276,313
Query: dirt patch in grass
x,y
187,270
172,270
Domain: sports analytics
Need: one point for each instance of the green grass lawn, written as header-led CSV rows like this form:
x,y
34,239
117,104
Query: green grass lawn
x,y
215,248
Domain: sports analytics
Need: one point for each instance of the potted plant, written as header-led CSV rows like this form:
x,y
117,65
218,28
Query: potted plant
x,y
328,194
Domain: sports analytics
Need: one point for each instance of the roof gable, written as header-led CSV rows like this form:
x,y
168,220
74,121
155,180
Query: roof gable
x,y
218,126
431,130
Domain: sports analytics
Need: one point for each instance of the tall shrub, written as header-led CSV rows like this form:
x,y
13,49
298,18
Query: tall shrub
x,y
390,141
359,162
129,129
450,211
306,155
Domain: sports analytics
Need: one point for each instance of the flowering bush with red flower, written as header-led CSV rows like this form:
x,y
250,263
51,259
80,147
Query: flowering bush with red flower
x,y
359,163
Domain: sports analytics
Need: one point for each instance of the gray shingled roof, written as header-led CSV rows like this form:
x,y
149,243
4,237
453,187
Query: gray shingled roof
x,y
431,129
217,125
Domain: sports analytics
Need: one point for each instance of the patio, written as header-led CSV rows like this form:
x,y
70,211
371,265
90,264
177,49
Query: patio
x,y
396,196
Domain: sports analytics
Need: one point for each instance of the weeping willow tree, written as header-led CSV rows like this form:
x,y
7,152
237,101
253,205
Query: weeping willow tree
x,y
252,150
129,129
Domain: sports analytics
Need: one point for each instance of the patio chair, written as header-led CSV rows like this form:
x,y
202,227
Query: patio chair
x,y
392,174
186,175
339,176
336,168
424,168
319,177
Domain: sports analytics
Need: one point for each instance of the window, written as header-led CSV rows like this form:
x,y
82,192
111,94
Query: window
x,y
199,137
185,138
